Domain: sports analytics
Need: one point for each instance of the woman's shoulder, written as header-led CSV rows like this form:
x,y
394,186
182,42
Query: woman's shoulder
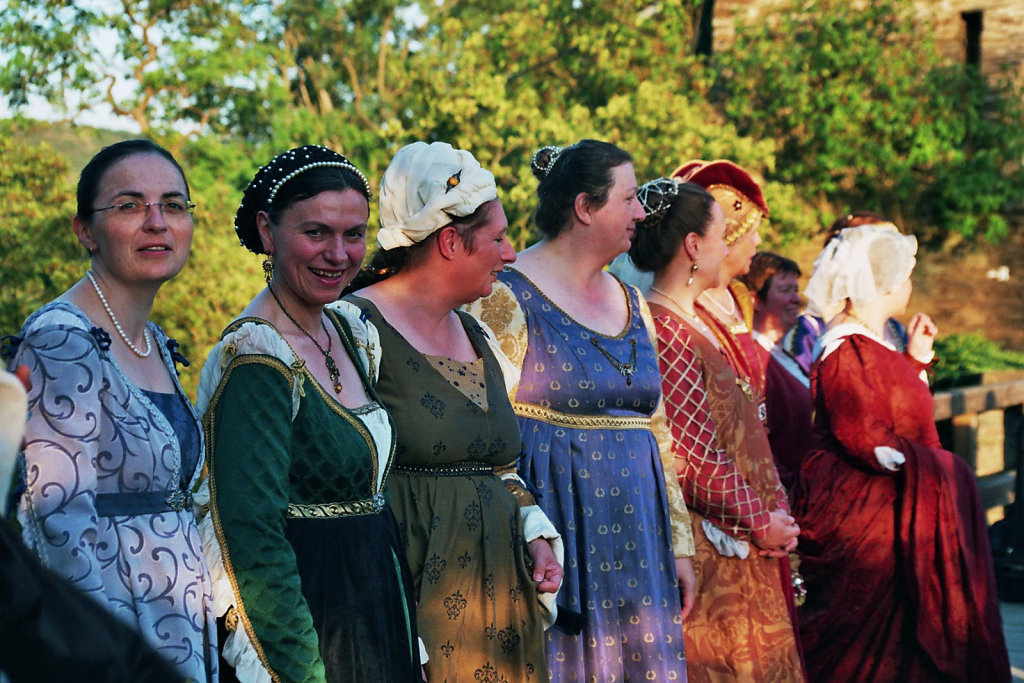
x,y
57,313
850,349
515,283
365,307
499,309
245,340
250,335
672,332
851,337
363,333
62,325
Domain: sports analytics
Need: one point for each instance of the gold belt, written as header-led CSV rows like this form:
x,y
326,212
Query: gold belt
x,y
560,419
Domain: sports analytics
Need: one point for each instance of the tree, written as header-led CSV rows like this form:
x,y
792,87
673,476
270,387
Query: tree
x,y
864,111
41,255
226,86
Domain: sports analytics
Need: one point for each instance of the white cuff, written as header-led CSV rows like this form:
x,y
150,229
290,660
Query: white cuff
x,y
889,458
928,358
537,525
238,650
726,545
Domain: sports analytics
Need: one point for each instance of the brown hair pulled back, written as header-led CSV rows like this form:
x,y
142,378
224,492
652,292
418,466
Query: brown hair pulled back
x,y
566,172
658,237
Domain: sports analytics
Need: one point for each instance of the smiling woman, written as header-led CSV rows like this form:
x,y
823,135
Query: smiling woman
x,y
113,447
310,577
774,282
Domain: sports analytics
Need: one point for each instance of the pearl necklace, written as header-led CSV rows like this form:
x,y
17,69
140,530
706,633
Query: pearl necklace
x,y
735,326
729,312
117,325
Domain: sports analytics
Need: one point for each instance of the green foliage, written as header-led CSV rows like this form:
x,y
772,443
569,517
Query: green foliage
x,y
865,113
41,256
830,106
962,357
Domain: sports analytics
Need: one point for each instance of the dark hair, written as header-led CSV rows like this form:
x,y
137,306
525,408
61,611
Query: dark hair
x,y
852,220
92,174
564,173
658,237
291,177
763,267
388,262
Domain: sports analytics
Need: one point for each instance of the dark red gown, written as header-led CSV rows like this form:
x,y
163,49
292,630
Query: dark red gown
x,y
789,410
900,585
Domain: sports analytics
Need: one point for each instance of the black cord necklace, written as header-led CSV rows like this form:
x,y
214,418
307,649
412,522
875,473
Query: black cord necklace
x,y
625,369
332,367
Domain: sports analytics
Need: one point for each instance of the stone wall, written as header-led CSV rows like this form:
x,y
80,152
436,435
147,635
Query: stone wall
x,y
1002,34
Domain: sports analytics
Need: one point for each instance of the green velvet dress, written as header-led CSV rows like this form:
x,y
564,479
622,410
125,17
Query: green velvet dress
x,y
477,605
317,581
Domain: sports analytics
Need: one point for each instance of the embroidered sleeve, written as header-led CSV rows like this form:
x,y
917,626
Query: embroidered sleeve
x,y
247,336
364,335
504,317
709,478
510,372
679,516
514,483
63,442
249,435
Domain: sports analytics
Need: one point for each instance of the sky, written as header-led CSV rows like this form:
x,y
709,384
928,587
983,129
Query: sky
x,y
101,117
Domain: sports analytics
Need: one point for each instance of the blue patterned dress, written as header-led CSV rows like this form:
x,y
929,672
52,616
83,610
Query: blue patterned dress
x,y
590,452
108,471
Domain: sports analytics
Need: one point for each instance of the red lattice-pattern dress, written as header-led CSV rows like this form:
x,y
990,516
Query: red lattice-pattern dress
x,y
740,626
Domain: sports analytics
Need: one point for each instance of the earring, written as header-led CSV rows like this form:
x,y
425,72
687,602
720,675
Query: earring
x,y
268,268
693,269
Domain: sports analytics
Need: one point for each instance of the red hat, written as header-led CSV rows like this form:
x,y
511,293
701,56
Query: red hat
x,y
735,191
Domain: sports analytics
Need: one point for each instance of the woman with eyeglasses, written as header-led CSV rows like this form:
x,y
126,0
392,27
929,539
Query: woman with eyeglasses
x,y
112,445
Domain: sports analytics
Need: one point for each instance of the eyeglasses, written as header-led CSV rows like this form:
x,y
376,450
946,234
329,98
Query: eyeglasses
x,y
173,208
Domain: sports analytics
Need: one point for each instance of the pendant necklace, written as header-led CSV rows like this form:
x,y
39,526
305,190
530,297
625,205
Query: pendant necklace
x,y
117,326
624,369
332,367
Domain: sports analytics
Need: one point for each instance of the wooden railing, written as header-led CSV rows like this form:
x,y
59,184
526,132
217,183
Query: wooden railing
x,y
965,421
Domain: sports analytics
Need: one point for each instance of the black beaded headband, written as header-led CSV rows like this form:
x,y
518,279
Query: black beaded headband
x,y
316,164
268,181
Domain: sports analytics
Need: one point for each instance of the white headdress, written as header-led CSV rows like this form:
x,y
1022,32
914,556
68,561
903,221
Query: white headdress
x,y
424,187
862,264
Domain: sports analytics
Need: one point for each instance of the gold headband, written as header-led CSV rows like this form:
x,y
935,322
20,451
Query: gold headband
x,y
741,214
